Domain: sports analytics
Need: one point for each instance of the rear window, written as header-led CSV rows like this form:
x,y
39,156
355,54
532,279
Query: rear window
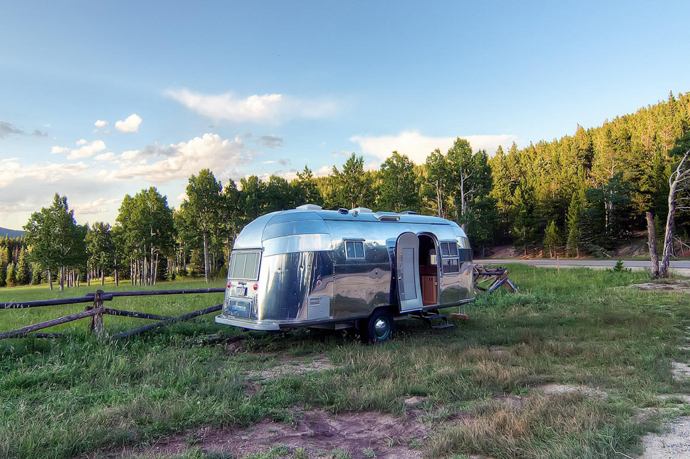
x,y
244,265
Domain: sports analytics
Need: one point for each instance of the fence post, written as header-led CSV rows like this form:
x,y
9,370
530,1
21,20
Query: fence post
x,y
97,319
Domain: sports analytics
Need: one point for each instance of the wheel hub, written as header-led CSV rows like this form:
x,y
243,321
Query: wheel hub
x,y
381,328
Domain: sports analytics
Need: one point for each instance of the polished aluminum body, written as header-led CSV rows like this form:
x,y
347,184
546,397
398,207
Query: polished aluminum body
x,y
324,267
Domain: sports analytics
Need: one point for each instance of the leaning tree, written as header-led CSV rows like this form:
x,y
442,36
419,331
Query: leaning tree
x,y
678,200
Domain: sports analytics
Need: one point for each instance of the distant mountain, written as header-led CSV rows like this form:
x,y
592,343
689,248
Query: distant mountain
x,y
10,232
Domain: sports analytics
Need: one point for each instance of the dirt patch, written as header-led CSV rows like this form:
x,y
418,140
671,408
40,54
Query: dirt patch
x,y
672,443
680,371
511,401
362,435
415,401
671,286
559,389
292,367
682,398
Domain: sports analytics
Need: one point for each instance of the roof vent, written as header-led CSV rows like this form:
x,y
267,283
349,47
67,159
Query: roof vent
x,y
409,212
309,207
360,210
342,210
387,216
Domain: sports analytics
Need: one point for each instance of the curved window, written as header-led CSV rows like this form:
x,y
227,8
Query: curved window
x,y
244,265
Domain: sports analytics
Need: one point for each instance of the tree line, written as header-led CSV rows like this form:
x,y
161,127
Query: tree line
x,y
581,194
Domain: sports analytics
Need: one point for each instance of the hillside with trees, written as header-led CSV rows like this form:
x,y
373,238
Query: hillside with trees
x,y
581,194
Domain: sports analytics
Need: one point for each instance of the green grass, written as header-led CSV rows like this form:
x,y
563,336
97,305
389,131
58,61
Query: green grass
x,y
74,396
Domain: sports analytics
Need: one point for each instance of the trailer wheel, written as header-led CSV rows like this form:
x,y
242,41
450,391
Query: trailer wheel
x,y
379,327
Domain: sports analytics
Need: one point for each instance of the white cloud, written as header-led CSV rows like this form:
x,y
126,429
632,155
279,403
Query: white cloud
x,y
178,161
255,108
11,170
100,124
108,156
86,149
129,155
94,207
129,124
417,146
96,188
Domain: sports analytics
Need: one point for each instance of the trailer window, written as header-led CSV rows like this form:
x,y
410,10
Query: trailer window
x,y
449,257
354,250
244,265
449,249
451,265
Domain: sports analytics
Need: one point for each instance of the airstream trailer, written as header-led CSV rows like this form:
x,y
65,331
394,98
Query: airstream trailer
x,y
310,267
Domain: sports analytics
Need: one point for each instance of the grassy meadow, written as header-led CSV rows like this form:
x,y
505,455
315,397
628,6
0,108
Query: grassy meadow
x,y
76,396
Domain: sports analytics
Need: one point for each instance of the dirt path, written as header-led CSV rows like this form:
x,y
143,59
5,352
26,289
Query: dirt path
x,y
674,441
318,433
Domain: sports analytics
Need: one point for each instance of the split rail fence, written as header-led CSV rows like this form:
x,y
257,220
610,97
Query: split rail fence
x,y
96,310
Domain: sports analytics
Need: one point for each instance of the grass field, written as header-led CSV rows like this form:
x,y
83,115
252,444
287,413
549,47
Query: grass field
x,y
76,396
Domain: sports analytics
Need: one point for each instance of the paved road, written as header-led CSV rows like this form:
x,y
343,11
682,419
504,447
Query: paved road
x,y
567,263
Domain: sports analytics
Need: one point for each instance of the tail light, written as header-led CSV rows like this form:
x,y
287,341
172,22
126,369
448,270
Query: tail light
x,y
229,284
255,287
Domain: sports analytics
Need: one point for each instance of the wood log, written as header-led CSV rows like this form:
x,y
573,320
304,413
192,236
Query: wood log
x,y
163,323
134,314
50,323
97,319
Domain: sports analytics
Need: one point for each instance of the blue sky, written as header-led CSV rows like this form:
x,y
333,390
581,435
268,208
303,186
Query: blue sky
x,y
267,87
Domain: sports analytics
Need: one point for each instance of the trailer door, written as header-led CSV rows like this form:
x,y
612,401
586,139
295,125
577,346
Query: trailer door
x,y
407,267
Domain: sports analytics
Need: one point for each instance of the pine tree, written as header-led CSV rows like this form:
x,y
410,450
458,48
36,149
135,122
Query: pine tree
x,y
574,224
398,188
23,270
353,186
552,239
524,227
11,276
3,275
36,274
305,190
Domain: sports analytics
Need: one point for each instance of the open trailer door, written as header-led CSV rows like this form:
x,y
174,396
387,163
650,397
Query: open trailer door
x,y
407,268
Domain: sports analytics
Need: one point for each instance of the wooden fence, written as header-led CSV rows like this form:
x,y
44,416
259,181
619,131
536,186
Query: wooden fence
x,y
96,310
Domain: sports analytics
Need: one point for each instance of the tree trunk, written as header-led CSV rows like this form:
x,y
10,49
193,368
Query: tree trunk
x,y
679,179
62,278
102,277
154,269
117,278
50,279
651,243
668,233
439,199
206,267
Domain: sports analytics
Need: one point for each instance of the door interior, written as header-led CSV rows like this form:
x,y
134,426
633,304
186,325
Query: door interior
x,y
407,267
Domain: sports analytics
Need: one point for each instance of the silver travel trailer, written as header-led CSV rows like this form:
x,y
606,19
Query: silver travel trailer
x,y
310,267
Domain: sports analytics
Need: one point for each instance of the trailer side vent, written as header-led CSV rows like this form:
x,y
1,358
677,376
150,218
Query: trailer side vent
x,y
309,207
319,307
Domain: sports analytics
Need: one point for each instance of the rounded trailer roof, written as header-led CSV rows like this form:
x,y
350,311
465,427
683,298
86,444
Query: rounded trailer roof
x,y
311,219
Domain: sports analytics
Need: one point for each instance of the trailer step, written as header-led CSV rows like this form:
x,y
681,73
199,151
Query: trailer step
x,y
435,320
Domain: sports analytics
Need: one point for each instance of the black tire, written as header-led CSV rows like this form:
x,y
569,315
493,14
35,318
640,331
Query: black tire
x,y
378,327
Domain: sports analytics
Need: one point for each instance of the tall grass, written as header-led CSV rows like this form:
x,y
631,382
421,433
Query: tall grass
x,y
61,398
